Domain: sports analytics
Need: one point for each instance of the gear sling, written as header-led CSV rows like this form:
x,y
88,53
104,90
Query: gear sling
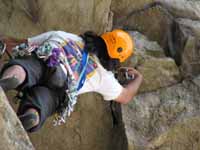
x,y
63,58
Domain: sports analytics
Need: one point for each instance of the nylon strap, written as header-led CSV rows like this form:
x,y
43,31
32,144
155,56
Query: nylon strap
x,y
82,76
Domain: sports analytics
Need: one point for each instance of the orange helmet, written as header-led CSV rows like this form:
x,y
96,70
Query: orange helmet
x,y
119,44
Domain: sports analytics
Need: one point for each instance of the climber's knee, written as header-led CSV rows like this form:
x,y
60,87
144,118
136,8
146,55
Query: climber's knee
x,y
15,71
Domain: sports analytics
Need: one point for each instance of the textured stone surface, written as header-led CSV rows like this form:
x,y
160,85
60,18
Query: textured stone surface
x,y
166,119
173,23
155,22
183,136
17,17
182,8
153,119
186,49
158,70
13,136
152,22
90,127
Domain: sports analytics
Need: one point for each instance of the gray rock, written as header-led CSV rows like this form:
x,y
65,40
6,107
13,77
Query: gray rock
x,y
158,70
179,36
182,8
150,117
13,136
177,27
153,22
192,26
144,45
185,46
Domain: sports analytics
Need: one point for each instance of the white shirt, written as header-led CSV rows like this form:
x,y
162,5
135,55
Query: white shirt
x,y
102,81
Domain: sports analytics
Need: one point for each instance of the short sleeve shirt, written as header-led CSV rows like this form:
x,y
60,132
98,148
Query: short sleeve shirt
x,y
102,81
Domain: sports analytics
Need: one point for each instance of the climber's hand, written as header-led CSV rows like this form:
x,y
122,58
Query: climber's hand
x,y
131,89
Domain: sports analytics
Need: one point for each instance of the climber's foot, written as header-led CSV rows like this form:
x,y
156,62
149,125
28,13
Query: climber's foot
x,y
29,119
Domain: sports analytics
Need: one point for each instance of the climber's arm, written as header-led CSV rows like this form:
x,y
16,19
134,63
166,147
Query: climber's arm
x,y
130,90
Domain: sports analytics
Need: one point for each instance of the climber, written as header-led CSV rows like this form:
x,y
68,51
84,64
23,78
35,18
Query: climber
x,y
53,68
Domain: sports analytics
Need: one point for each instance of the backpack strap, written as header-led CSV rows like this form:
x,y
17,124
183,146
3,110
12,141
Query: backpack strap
x,y
82,76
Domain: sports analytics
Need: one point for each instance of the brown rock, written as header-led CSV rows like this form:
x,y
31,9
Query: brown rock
x,y
13,136
165,119
90,127
27,18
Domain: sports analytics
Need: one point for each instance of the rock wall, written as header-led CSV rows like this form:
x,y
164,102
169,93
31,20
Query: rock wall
x,y
158,70
21,18
13,136
91,127
153,22
165,113
165,119
174,24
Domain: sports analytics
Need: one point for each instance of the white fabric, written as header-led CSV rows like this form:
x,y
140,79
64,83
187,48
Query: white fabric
x,y
55,38
102,82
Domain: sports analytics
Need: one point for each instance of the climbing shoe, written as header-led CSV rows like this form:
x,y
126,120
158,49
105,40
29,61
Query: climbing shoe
x,y
2,48
29,120
9,83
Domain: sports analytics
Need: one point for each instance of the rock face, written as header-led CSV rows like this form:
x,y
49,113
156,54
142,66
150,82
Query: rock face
x,y
164,119
156,18
13,136
23,18
91,127
175,24
153,22
167,119
185,47
182,9
149,58
164,116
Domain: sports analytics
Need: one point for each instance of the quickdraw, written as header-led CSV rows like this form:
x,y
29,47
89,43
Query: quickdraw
x,y
22,50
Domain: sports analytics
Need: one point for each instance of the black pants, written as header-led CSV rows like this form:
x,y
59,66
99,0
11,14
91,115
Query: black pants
x,y
43,88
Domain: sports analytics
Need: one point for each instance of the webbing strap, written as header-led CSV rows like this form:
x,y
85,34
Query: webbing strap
x,y
82,76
